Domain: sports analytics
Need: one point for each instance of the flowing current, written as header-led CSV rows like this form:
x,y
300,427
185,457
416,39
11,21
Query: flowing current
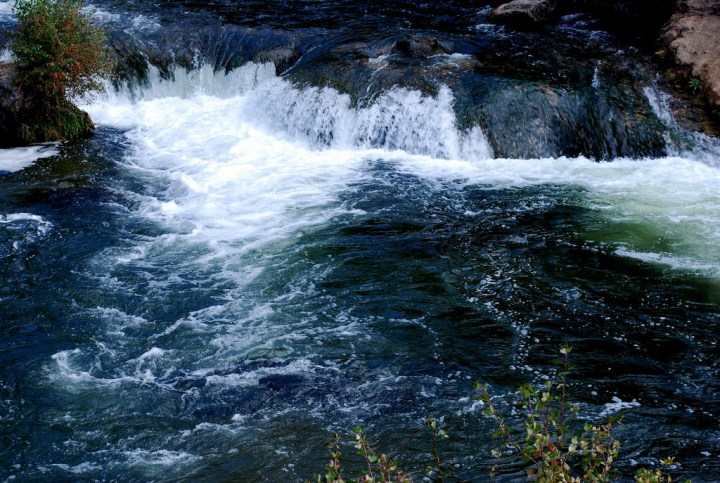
x,y
236,266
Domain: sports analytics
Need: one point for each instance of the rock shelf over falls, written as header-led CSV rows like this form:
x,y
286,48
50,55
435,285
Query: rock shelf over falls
x,y
566,88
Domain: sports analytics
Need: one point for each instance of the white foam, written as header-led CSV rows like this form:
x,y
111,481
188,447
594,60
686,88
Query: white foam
x,y
617,405
6,11
252,378
100,15
676,198
595,83
250,159
27,225
15,159
43,224
118,317
80,469
660,104
231,183
66,373
155,352
5,54
399,119
675,262
320,117
143,23
160,457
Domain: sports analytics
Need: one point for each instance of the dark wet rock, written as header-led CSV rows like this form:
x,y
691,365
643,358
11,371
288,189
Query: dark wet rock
x,y
637,21
11,103
282,57
524,11
283,382
698,6
531,120
363,71
533,95
419,47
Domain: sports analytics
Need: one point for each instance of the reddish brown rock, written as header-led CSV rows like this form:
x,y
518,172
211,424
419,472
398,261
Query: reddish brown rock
x,y
698,6
694,40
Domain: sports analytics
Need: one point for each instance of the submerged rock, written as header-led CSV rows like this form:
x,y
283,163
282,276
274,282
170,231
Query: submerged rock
x,y
524,11
282,57
419,47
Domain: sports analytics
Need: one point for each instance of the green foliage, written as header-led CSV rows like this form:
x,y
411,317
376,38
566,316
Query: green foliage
x,y
436,433
558,448
556,453
552,441
59,53
378,468
41,122
59,56
695,84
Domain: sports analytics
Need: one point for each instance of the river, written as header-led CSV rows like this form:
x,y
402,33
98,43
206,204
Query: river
x,y
285,226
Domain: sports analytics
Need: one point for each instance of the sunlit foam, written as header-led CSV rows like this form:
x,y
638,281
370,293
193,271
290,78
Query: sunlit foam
x,y
100,15
15,159
6,11
251,159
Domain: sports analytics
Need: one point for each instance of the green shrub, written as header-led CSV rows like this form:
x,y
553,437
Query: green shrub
x,y
60,55
695,84
546,435
557,447
547,441
378,467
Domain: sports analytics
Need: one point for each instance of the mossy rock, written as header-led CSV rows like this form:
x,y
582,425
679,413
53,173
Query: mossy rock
x,y
26,121
61,123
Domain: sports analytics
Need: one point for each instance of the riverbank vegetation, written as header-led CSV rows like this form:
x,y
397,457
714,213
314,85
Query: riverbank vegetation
x,y
60,56
543,430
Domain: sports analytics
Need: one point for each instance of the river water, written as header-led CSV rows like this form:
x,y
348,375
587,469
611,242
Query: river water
x,y
248,256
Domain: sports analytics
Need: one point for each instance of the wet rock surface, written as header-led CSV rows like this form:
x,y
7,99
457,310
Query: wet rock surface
x,y
636,21
282,57
10,104
524,11
420,47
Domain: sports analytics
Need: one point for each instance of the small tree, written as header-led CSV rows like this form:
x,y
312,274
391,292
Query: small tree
x,y
60,55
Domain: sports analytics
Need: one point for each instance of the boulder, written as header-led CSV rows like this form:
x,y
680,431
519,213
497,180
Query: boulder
x,y
524,11
419,47
694,40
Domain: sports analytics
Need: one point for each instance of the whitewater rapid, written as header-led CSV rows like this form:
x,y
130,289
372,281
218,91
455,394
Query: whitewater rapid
x,y
235,266
250,159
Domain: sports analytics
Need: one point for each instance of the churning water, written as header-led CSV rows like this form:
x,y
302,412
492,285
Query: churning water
x,y
237,265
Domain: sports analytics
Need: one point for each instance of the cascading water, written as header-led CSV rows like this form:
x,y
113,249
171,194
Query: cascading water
x,y
236,265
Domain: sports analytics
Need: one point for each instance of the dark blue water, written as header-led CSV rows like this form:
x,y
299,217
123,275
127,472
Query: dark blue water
x,y
231,269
